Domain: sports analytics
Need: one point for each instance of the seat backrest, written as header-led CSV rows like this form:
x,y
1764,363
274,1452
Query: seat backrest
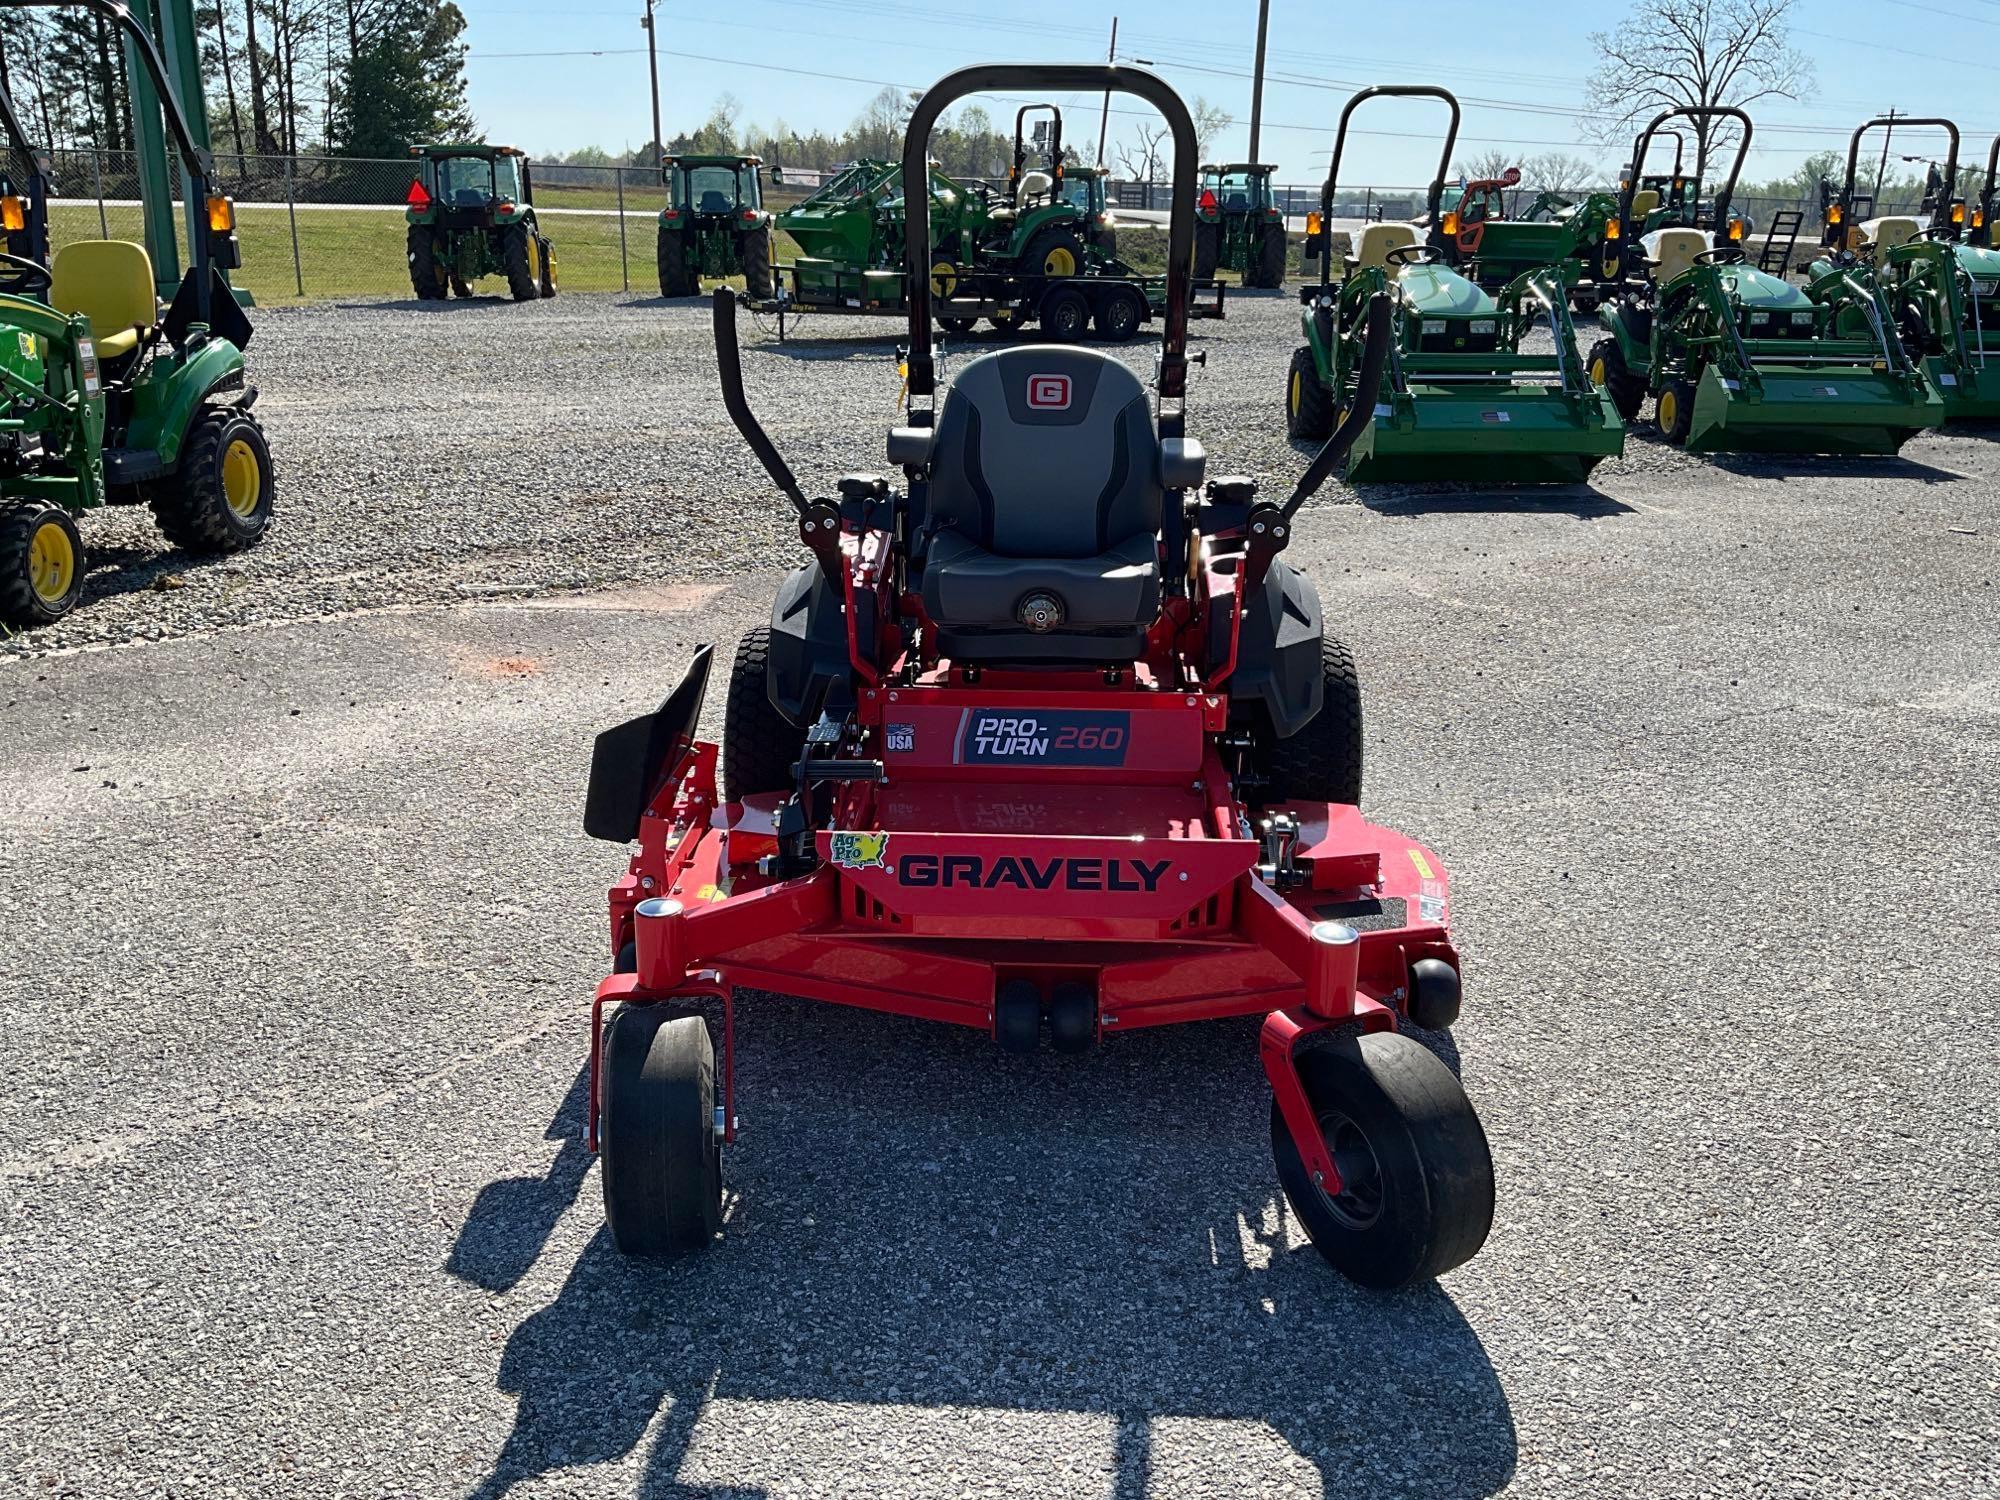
x,y
1377,240
1045,451
1644,201
1033,185
714,201
109,281
1673,251
1889,231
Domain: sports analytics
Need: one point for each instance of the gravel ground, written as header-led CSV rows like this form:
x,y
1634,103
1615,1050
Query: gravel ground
x,y
300,933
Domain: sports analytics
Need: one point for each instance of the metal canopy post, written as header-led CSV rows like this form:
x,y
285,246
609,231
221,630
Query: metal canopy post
x,y
149,142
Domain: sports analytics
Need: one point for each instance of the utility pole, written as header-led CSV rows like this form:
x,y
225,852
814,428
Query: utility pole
x,y
1104,121
1882,169
1257,85
653,63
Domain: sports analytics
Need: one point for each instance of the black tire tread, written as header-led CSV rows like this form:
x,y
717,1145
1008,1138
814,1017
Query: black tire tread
x,y
759,745
20,605
1625,390
514,253
661,1162
187,505
1314,418
1271,257
1322,762
424,278
757,263
671,255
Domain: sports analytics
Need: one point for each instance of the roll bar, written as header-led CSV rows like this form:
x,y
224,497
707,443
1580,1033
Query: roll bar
x,y
1082,78
1021,142
1940,216
1436,196
1638,169
1986,234
1696,114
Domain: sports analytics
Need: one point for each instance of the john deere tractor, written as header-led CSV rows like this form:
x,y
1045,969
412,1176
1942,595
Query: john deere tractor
x,y
1476,234
1942,292
714,225
472,214
850,235
1038,224
1237,225
1458,398
1740,360
107,398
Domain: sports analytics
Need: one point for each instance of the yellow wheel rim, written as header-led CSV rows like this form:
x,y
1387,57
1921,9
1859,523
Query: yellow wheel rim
x,y
1060,262
1668,409
534,256
242,477
51,563
1598,374
944,278
1298,392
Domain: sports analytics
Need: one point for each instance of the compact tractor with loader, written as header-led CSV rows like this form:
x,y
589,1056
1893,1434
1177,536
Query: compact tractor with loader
x,y
471,213
1942,292
1460,398
1237,225
1740,360
106,397
1047,740
1476,235
714,225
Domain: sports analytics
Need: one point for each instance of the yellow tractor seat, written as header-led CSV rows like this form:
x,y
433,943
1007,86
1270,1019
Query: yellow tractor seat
x,y
1377,240
110,282
1644,202
1672,251
1887,232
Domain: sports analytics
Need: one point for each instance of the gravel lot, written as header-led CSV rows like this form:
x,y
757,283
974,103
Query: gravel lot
x,y
300,933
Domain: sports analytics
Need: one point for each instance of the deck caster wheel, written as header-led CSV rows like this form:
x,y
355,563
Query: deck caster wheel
x,y
1072,1017
1017,1016
1416,1192
660,1153
1434,993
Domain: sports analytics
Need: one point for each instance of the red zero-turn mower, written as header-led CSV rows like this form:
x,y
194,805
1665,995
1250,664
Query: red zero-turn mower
x,y
1049,737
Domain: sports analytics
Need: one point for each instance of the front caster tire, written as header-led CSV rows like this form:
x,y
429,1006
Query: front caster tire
x,y
218,499
657,1144
1416,1195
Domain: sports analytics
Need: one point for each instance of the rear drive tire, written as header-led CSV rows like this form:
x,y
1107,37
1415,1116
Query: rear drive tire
x,y
672,257
1416,1194
757,263
425,278
218,499
1056,251
656,1140
1308,406
1207,250
1271,257
1606,367
1065,315
1119,315
548,268
759,745
41,563
1322,762
517,254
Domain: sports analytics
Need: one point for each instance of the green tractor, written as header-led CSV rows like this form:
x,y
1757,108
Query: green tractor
x,y
1237,225
1982,232
714,225
1476,234
1942,291
1458,398
850,235
1740,360
472,214
106,398
1040,223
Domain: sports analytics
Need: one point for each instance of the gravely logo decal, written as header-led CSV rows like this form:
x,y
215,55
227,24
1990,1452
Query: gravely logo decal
x,y
1026,873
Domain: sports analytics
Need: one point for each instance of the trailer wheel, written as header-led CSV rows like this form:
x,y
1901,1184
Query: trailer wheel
x,y
757,263
1119,315
1673,412
1271,257
957,325
1308,407
41,563
1322,761
1416,1192
520,252
759,745
672,257
424,278
657,1142
218,499
1607,368
1207,250
1065,315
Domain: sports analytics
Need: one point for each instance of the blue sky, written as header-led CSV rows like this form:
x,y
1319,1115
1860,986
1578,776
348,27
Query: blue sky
x,y
553,78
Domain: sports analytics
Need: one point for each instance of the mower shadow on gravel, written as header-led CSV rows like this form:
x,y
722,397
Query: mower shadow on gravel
x,y
1098,1236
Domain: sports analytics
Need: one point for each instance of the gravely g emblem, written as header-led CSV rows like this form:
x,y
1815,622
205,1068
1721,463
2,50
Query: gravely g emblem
x,y
860,851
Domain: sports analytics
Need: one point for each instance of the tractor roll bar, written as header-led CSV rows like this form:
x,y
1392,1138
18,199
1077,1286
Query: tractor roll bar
x,y
1696,114
729,365
1939,215
1436,196
1986,234
1082,78
1021,141
1680,152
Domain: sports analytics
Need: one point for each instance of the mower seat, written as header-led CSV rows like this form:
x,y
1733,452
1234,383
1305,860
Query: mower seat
x,y
1377,240
1672,251
1040,527
1887,232
109,282
1644,202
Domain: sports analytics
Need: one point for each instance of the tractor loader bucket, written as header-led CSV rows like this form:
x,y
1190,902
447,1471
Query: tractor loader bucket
x,y
1486,433
1824,409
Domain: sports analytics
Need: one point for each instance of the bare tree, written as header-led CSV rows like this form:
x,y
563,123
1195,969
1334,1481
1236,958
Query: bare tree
x,y
1695,53
1210,120
1492,166
1139,158
1561,173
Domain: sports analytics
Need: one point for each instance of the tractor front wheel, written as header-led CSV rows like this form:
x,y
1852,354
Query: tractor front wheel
x,y
656,1137
757,264
41,563
218,499
672,256
1308,407
1673,412
1271,257
1608,369
520,252
1415,1196
426,279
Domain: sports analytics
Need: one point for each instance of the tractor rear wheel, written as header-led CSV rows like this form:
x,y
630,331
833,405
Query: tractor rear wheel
x,y
1207,250
1308,407
656,1137
41,563
673,264
1606,367
218,499
756,256
759,745
1415,1196
1271,257
1056,251
520,252
1119,315
425,278
1322,762
548,268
